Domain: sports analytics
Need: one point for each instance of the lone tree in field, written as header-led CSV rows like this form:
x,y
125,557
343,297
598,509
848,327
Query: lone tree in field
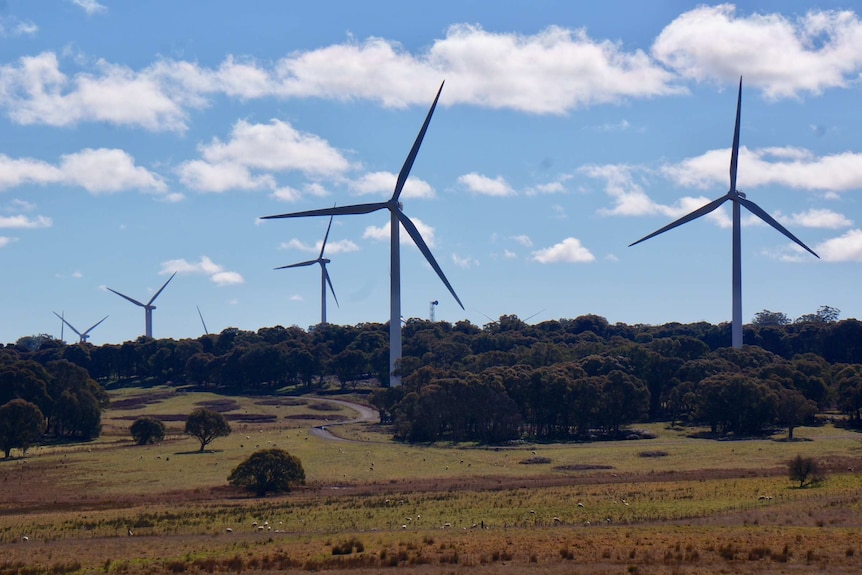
x,y
206,425
147,430
806,471
268,470
21,425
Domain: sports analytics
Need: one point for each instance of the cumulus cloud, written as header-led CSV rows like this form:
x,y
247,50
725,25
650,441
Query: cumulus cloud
x,y
524,240
569,250
816,218
551,72
784,57
845,248
23,222
6,240
97,171
11,27
90,6
205,266
548,188
464,262
382,233
485,186
217,178
332,248
276,147
785,166
383,183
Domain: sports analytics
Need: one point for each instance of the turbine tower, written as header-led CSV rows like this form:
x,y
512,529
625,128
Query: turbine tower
x,y
85,335
148,307
397,219
738,199
324,275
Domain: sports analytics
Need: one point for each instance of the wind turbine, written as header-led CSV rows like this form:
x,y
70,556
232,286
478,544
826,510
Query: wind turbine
x,y
397,219
324,275
83,335
148,307
738,199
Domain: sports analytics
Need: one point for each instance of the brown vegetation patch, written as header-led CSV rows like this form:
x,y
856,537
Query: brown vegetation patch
x,y
219,405
286,401
315,417
140,401
653,454
251,418
324,407
535,461
582,467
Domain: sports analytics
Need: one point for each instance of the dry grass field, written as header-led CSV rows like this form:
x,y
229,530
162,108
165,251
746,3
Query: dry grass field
x,y
669,505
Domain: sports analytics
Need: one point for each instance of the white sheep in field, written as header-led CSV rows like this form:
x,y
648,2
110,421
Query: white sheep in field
x,y
228,530
25,539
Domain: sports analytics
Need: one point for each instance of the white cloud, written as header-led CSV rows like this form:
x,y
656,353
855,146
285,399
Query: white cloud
x,y
227,278
11,27
97,171
77,275
276,146
845,248
332,248
205,177
792,167
815,218
90,6
569,250
524,240
205,266
552,72
382,233
464,262
6,240
23,222
485,186
509,255
783,57
548,188
383,183
296,297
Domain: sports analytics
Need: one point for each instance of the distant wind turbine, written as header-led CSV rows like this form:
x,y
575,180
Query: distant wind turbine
x,y
324,275
738,199
85,335
148,307
397,219
203,323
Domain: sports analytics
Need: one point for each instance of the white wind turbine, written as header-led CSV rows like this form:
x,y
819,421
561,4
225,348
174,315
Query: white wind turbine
x,y
324,275
397,219
738,199
85,335
148,307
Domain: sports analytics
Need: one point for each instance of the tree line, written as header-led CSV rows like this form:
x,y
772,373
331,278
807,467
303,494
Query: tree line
x,y
567,378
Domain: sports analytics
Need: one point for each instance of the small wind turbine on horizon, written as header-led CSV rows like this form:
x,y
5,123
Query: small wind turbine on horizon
x,y
148,307
324,275
85,335
397,219
738,199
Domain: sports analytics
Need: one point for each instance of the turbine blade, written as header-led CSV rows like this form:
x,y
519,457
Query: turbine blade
x,y
734,154
134,301
202,320
411,157
329,281
89,329
334,211
423,247
152,299
63,319
326,237
760,213
685,219
299,265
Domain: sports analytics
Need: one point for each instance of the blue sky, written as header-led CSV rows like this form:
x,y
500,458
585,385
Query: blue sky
x,y
142,139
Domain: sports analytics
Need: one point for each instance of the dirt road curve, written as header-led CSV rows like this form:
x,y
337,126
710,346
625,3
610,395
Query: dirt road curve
x,y
365,415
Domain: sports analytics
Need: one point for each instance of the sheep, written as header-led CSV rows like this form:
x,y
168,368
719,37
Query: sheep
x,y
447,525
130,533
228,530
581,505
25,539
